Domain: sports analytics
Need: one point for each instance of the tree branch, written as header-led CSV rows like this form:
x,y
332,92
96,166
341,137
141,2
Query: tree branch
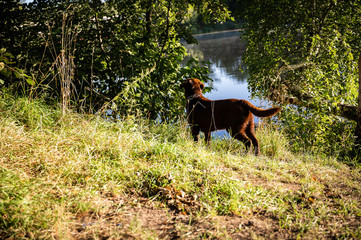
x,y
100,39
343,110
299,98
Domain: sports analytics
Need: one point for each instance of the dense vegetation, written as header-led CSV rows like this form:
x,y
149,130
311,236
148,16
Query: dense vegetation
x,y
305,53
96,54
124,58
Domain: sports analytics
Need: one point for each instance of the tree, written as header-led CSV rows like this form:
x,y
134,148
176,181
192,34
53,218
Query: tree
x,y
126,56
305,53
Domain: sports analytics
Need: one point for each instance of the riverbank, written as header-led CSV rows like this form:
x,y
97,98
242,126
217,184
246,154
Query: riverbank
x,y
218,34
82,177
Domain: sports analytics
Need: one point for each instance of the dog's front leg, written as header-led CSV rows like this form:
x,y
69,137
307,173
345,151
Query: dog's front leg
x,y
195,133
207,138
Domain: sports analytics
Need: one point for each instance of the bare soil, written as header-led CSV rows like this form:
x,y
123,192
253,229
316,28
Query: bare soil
x,y
173,217
144,219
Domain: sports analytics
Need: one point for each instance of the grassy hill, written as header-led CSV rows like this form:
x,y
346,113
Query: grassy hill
x,y
83,177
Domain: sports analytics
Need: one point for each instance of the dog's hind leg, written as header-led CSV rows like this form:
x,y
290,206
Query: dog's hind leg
x,y
241,136
250,134
252,137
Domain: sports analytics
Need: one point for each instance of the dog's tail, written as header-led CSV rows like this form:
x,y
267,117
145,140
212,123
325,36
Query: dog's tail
x,y
258,111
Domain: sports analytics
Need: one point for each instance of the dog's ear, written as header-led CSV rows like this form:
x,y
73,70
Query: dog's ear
x,y
201,85
184,84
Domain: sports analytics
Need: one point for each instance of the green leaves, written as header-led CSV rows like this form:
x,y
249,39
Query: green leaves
x,y
8,71
320,34
126,50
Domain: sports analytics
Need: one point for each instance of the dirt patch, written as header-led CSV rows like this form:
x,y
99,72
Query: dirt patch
x,y
144,219
272,184
175,215
267,184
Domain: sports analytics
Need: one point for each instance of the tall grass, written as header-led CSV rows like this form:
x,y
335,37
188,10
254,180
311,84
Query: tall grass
x,y
63,54
56,172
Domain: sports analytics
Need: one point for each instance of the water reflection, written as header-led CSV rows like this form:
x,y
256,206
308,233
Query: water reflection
x,y
224,53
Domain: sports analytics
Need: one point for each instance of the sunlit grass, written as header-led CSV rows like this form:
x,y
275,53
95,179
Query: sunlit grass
x,y
56,171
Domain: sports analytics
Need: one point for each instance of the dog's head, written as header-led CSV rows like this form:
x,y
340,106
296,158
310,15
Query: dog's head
x,y
192,86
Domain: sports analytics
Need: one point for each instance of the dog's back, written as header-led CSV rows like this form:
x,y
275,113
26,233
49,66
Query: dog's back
x,y
223,114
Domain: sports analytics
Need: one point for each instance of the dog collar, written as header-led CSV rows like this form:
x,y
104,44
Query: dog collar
x,y
192,97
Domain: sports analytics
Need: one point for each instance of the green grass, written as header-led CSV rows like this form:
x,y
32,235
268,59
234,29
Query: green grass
x,y
82,177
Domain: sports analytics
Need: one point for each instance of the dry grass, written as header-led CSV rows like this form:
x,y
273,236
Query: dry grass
x,y
81,177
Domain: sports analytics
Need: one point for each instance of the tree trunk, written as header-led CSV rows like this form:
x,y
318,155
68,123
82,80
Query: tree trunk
x,y
358,128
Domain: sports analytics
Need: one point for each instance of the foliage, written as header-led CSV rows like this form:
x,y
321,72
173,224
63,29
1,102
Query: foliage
x,y
198,25
117,46
9,72
317,131
132,101
307,50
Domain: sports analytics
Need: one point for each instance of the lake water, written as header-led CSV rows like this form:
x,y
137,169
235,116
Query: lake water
x,y
224,52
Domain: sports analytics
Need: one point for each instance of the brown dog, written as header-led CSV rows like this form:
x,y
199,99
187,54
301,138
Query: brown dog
x,y
234,115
